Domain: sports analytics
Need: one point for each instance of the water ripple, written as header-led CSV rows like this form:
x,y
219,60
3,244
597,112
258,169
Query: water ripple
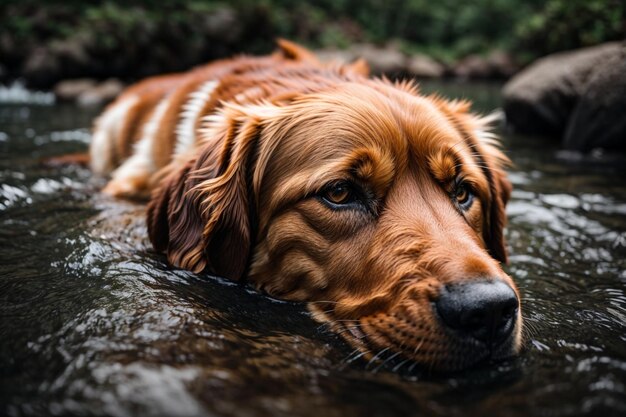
x,y
93,322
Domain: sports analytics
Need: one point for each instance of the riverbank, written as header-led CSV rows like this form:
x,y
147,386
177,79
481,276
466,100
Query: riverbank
x,y
41,69
45,44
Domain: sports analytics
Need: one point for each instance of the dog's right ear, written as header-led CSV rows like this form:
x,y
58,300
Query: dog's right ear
x,y
201,216
292,51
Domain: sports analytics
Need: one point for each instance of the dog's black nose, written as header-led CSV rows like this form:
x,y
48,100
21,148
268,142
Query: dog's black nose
x,y
484,310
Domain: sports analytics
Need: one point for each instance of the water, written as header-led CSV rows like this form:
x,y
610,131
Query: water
x,y
92,322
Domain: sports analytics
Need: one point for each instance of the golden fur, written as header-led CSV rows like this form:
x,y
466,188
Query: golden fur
x,y
252,197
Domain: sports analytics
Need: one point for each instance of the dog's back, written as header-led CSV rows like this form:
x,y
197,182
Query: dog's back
x,y
160,119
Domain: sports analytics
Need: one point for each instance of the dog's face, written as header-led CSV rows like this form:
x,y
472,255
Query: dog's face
x,y
381,208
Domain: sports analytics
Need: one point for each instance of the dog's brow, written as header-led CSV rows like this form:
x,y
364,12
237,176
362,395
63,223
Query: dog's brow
x,y
445,164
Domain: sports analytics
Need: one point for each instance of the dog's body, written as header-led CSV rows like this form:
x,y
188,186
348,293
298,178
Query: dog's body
x,y
382,208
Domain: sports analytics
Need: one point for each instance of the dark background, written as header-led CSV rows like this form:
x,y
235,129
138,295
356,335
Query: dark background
x,y
44,42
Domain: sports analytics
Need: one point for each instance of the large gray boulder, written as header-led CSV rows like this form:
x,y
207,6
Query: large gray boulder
x,y
577,96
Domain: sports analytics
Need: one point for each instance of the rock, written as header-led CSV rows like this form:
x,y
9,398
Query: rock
x,y
501,64
542,98
498,64
101,93
472,67
387,60
599,118
70,90
342,56
423,66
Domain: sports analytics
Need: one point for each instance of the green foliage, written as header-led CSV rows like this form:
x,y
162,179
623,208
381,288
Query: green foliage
x,y
569,24
446,29
449,28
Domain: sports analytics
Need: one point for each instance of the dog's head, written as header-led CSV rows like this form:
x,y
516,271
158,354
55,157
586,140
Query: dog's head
x,y
382,208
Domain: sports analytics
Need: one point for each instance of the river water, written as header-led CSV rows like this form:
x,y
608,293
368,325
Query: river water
x,y
93,323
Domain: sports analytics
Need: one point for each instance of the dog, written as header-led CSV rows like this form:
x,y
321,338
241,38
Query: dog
x,y
381,208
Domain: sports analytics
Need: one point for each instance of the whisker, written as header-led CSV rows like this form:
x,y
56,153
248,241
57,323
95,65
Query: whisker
x,y
376,357
529,329
417,347
397,367
360,355
353,352
386,360
410,368
341,323
327,324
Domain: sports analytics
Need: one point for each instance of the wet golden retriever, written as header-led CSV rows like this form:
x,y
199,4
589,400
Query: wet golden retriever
x,y
380,207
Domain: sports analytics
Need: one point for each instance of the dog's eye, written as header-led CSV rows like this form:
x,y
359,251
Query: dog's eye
x,y
464,196
339,193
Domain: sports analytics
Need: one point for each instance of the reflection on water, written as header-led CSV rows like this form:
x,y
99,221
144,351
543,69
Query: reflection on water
x,y
94,323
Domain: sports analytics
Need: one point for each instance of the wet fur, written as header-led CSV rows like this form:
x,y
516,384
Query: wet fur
x,y
242,199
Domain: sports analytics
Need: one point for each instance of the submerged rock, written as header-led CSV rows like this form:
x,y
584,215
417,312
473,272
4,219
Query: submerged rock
x,y
579,96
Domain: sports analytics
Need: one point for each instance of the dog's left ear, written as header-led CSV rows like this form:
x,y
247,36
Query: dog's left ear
x,y
500,190
477,134
293,51
203,215
493,162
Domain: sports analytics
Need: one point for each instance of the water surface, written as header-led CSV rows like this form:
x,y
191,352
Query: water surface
x,y
92,322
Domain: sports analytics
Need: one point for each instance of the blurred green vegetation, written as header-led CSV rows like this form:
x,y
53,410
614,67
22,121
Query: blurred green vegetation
x,y
445,29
